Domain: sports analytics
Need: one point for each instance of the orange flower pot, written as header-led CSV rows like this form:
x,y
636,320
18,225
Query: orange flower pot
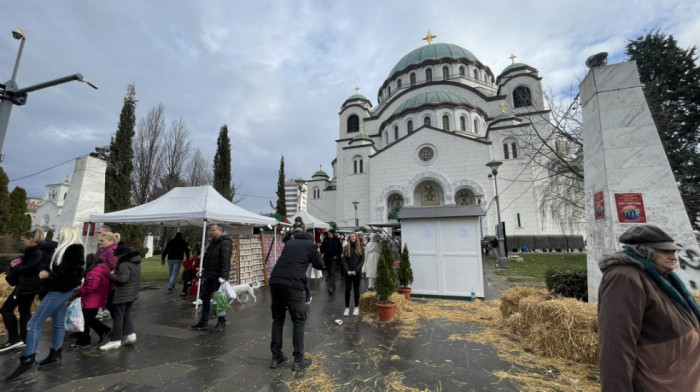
x,y
406,291
386,311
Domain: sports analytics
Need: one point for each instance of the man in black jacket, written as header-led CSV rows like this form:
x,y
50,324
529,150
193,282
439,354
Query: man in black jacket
x,y
215,270
287,292
331,249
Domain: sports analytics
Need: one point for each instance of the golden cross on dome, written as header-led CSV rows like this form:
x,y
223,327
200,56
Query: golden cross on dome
x,y
429,38
512,58
503,107
357,90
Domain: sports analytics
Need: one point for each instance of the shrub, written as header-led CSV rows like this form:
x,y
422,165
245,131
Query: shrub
x,y
386,280
569,282
405,274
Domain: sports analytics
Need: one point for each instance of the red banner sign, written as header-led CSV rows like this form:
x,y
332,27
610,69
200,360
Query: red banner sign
x,y
85,228
630,208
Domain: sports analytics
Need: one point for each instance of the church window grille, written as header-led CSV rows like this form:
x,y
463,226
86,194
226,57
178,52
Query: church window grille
x,y
428,75
522,97
409,125
445,123
396,133
461,71
505,150
426,154
413,79
398,84
426,121
353,124
445,73
514,150
463,124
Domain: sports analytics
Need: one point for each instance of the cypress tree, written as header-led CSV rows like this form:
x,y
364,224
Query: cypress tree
x,y
222,164
18,221
405,274
671,84
118,181
385,285
4,201
281,207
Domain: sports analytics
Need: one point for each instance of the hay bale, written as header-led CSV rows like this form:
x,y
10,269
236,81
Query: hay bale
x,y
515,324
5,288
510,299
550,340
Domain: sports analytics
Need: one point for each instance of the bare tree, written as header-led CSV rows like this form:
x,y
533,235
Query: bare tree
x,y
148,154
197,172
176,151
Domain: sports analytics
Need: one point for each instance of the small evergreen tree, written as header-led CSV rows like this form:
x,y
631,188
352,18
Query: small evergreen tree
x,y
118,183
386,280
281,207
18,221
4,201
405,274
222,164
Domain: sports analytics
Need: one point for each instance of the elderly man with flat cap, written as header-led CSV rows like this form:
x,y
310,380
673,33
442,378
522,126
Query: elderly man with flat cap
x,y
648,322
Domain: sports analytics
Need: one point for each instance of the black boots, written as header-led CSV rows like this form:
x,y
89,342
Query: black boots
x,y
54,356
25,364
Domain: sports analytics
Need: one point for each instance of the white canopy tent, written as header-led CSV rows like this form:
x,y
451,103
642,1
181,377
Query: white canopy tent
x,y
311,221
188,206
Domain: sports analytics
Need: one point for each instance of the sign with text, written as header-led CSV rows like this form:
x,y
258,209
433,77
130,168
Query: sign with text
x,y
85,228
599,205
630,208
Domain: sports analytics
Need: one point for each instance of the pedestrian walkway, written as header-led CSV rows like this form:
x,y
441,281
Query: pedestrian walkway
x,y
356,355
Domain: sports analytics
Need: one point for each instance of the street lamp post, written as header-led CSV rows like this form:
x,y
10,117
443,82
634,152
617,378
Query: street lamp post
x,y
502,259
357,224
11,95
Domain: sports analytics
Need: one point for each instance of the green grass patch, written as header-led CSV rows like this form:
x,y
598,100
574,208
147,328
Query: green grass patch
x,y
152,271
536,264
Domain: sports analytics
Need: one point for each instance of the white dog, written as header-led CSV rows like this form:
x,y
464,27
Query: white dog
x,y
246,288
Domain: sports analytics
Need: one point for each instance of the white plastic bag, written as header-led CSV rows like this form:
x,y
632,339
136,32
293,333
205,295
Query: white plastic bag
x,y
74,317
227,289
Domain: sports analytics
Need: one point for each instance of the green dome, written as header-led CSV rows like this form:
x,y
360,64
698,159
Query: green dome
x,y
513,66
361,136
504,116
320,173
356,97
430,98
432,52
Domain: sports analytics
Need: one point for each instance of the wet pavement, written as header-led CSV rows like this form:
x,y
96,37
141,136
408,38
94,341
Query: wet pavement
x,y
357,355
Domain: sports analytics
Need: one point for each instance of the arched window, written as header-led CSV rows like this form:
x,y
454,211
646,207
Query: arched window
x,y
316,193
522,97
395,201
476,74
464,198
396,133
380,97
428,75
413,79
463,123
445,123
505,151
461,71
514,150
388,91
357,165
398,84
426,121
476,126
409,125
445,73
353,124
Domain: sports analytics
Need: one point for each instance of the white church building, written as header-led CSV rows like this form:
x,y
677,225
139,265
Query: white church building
x,y
441,116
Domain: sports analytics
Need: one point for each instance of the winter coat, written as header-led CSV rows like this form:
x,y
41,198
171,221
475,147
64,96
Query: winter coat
x,y
176,249
27,272
290,269
190,268
107,255
67,275
217,259
95,287
127,277
353,262
373,251
648,341
331,247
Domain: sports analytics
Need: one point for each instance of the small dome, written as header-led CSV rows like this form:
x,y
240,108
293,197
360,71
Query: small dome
x,y
361,136
504,116
432,52
513,66
357,97
320,173
430,98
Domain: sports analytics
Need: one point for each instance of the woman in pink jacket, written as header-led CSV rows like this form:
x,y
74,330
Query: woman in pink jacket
x,y
93,296
108,244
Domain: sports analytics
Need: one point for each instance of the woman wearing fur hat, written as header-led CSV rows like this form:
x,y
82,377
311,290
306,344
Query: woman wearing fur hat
x,y
127,277
649,325
61,277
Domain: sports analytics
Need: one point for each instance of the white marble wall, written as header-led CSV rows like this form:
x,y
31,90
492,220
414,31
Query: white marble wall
x,y
623,154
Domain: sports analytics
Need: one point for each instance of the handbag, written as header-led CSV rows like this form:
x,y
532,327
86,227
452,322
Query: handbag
x,y
74,321
219,304
227,289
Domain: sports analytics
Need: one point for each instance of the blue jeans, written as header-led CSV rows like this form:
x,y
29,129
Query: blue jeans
x,y
174,268
54,305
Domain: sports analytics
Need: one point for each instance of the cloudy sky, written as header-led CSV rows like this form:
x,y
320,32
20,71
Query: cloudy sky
x,y
276,72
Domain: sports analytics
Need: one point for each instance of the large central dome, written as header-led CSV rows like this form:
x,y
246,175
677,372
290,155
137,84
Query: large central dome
x,y
432,52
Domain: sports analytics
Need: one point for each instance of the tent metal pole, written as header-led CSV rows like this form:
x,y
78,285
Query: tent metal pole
x,y
201,260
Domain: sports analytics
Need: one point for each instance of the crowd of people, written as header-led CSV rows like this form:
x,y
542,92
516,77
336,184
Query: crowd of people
x,y
58,272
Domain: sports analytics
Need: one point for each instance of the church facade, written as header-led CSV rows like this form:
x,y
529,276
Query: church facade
x,y
441,116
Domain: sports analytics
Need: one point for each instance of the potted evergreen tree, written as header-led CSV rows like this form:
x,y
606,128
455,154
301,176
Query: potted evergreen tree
x,y
385,285
405,274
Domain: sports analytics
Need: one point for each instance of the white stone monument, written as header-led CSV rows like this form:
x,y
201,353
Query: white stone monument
x,y
628,179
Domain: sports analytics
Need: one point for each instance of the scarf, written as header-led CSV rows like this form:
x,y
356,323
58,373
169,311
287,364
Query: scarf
x,y
677,291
